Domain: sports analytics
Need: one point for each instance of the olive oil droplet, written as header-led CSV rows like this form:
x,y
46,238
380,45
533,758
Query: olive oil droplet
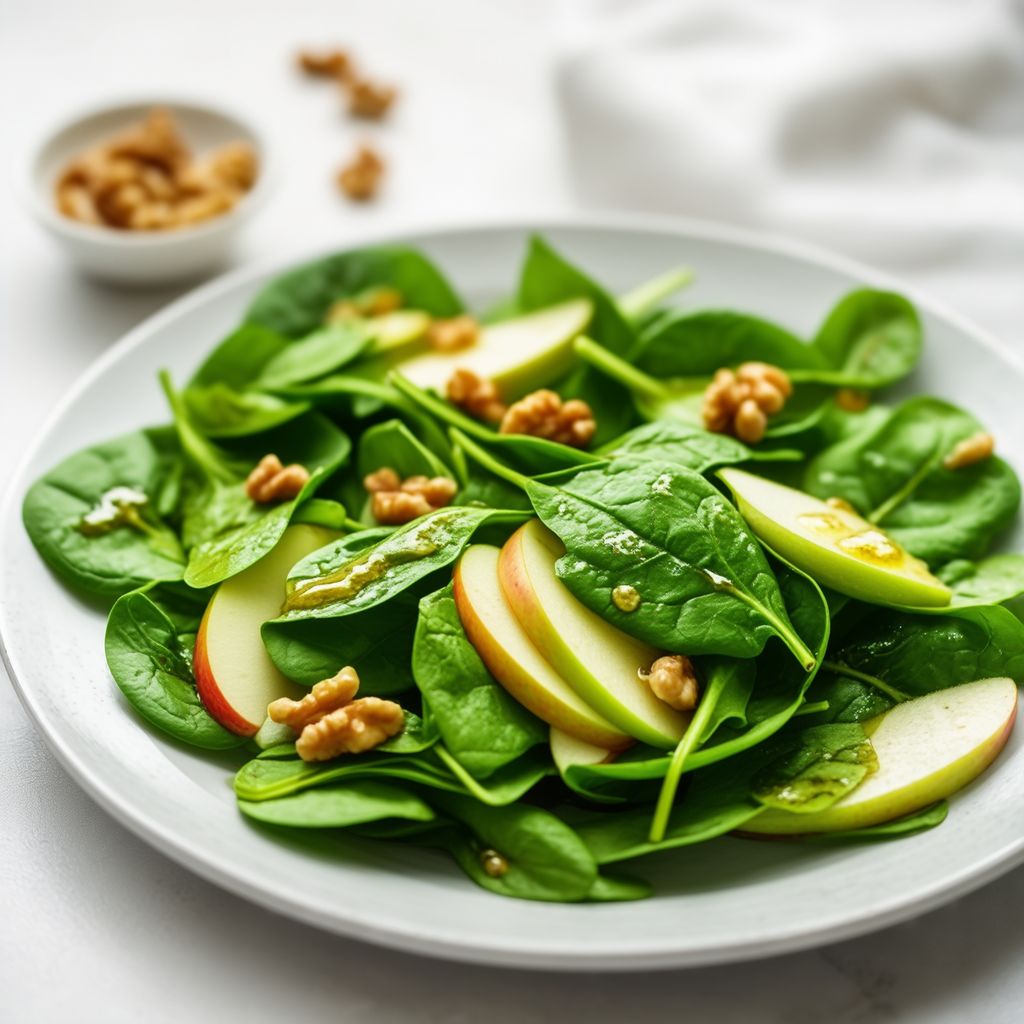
x,y
493,863
626,597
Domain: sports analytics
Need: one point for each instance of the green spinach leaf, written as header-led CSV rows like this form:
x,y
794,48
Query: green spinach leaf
x,y
705,585
480,724
149,640
98,518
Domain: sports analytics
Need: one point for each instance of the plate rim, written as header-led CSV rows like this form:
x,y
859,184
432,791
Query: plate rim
x,y
205,862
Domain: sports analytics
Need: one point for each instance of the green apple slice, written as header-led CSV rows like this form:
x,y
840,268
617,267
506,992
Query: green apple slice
x,y
513,660
601,663
839,548
395,330
567,750
519,355
927,749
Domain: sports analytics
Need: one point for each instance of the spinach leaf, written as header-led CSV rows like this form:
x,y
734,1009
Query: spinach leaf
x,y
705,585
355,803
296,303
895,477
228,532
129,486
994,580
265,778
149,640
698,344
220,398
683,444
908,655
542,857
717,801
548,278
345,583
870,339
316,355
809,769
378,642
480,724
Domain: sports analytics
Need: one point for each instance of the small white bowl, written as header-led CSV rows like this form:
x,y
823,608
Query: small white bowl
x,y
142,257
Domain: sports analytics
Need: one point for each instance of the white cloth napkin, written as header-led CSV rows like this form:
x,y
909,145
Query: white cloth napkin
x,y
891,130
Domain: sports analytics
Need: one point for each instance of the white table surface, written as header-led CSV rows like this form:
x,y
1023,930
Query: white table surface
x,y
95,925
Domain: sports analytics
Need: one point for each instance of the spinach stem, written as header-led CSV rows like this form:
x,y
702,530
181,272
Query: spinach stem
x,y
686,746
844,670
812,707
618,369
472,786
484,458
898,497
644,297
786,633
195,446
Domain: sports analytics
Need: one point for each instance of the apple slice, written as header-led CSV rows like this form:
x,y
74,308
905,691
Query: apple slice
x,y
506,650
834,545
395,330
601,663
519,355
234,675
927,749
568,750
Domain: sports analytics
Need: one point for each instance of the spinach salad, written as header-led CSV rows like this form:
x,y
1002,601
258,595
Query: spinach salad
x,y
644,575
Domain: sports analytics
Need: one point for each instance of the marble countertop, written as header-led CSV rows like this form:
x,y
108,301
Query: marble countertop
x,y
97,925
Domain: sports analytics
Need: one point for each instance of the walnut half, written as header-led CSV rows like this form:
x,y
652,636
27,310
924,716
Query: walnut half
x,y
270,481
544,414
326,696
673,680
353,729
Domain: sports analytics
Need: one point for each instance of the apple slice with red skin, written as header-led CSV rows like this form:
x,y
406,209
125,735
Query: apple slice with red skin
x,y
234,675
513,660
928,748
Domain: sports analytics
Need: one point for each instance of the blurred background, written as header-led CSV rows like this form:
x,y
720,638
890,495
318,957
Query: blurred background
x,y
890,132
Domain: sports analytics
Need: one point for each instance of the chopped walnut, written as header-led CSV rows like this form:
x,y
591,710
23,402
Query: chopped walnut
x,y
326,696
544,414
740,403
145,179
475,395
396,501
360,178
353,729
369,100
328,64
975,448
385,479
453,335
853,399
673,680
270,481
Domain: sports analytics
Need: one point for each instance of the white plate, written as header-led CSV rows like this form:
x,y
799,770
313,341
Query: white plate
x,y
726,900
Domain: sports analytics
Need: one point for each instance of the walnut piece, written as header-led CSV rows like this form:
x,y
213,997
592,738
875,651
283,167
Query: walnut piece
x,y
740,402
270,481
395,501
453,335
145,179
476,396
353,729
967,452
326,64
326,696
673,680
544,414
853,399
369,100
360,178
